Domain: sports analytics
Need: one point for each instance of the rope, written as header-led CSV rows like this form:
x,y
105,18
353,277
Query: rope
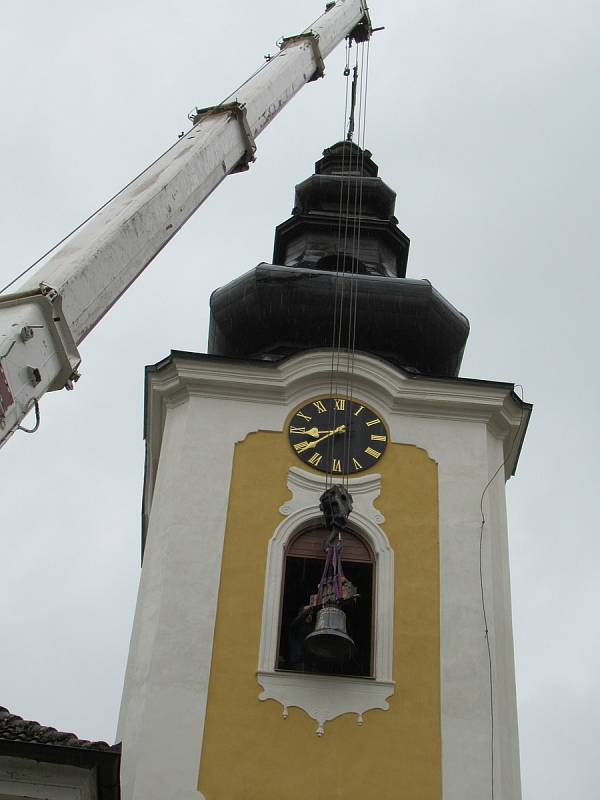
x,y
332,412
343,248
345,300
355,255
333,572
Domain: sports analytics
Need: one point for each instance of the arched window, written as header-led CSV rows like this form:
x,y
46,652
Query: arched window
x,y
295,549
304,560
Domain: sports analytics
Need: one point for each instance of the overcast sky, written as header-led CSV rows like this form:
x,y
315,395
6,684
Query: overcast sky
x,y
484,118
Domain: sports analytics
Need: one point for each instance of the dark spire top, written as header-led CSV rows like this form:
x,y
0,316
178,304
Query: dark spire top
x,y
345,184
342,229
346,158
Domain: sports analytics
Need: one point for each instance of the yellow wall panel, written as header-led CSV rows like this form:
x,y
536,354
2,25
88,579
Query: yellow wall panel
x,y
249,751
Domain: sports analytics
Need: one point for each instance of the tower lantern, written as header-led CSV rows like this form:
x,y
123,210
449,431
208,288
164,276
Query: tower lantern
x,y
326,368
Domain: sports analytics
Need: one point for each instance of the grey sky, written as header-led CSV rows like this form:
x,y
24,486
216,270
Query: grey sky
x,y
484,118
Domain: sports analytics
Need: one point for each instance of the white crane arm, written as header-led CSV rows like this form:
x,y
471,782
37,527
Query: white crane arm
x,y
41,326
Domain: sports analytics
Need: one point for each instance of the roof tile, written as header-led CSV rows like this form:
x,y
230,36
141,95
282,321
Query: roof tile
x,y
17,729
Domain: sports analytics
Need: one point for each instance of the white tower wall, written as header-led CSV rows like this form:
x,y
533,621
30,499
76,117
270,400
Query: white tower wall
x,y
198,408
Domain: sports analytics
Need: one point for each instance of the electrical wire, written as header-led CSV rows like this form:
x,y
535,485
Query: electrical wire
x,y
85,221
37,420
268,61
481,582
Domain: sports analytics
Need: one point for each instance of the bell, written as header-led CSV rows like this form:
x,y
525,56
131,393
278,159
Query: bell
x,y
329,643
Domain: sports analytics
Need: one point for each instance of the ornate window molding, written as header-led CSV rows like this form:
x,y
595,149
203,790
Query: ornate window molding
x,y
324,697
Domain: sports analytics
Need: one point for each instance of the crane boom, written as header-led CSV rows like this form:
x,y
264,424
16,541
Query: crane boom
x,y
42,325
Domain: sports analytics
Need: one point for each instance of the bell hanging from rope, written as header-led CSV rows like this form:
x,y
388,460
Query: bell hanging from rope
x,y
329,643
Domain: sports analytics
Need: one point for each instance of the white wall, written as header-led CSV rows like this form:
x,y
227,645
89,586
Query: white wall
x,y
197,410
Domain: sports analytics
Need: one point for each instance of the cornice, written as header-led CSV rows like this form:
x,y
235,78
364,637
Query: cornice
x,y
455,398
184,375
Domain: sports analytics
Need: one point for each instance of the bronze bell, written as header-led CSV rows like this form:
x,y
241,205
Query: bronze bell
x,y
329,643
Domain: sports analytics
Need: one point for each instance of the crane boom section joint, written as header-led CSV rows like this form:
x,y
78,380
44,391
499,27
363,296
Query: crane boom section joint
x,y
237,110
37,353
313,40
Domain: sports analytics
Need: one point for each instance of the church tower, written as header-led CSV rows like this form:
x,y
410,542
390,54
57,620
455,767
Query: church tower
x,y
276,653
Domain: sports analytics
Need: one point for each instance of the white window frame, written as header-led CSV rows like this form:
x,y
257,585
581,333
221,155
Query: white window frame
x,y
324,697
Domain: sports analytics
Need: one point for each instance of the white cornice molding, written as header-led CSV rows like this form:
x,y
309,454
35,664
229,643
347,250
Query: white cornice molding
x,y
308,374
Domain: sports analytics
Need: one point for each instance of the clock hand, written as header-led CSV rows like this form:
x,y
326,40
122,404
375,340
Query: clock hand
x,y
300,448
314,432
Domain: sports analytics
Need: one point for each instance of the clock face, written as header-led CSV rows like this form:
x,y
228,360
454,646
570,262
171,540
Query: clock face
x,y
337,435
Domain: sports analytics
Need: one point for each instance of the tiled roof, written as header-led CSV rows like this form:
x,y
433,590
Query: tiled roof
x,y
17,729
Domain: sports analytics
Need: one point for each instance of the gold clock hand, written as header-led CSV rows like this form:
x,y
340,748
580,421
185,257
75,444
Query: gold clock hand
x,y
314,432
339,429
302,446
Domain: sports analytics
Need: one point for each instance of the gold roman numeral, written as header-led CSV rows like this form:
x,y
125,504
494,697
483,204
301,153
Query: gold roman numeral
x,y
373,421
300,447
304,416
315,459
336,465
357,412
298,430
373,453
319,406
357,464
375,437
340,404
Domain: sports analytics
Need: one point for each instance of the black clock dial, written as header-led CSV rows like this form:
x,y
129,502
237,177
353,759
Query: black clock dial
x,y
337,435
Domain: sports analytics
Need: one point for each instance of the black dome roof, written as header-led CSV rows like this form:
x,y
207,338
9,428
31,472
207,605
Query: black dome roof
x,y
341,240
